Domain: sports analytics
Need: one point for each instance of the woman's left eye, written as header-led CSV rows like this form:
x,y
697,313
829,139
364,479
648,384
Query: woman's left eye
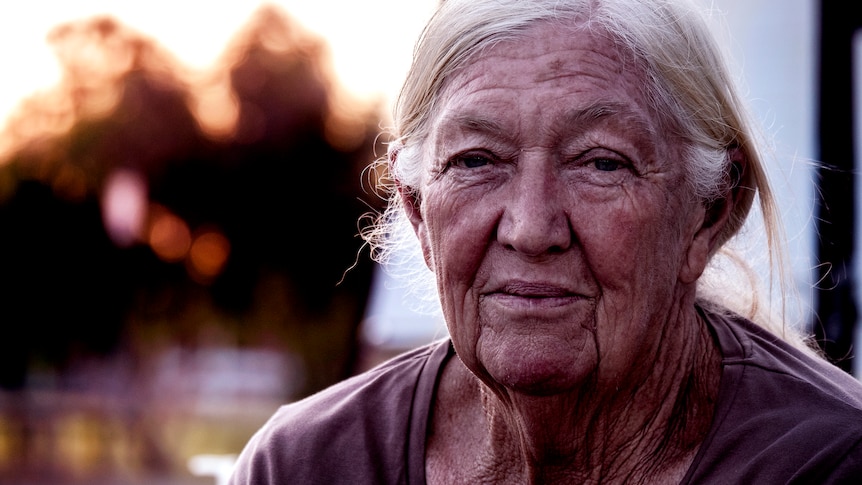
x,y
602,166
607,164
474,161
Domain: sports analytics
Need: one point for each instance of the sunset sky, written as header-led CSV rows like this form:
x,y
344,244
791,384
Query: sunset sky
x,y
196,31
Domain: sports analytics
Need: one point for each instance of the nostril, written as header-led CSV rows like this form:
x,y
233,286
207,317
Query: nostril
x,y
532,248
555,250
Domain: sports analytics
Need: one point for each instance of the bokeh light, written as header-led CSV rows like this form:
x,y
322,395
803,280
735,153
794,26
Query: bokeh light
x,y
169,236
124,206
208,254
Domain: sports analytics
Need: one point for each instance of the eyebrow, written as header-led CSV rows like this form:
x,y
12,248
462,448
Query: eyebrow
x,y
477,124
602,110
582,117
595,112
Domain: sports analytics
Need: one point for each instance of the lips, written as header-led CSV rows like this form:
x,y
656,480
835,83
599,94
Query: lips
x,y
535,290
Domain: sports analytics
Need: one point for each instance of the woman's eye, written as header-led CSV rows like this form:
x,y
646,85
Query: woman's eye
x,y
607,164
473,161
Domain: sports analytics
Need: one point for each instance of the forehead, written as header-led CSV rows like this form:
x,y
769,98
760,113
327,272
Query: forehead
x,y
549,68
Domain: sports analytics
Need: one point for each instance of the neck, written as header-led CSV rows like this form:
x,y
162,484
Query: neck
x,y
645,428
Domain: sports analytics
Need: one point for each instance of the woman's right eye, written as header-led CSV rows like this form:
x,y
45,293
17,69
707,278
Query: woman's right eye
x,y
472,160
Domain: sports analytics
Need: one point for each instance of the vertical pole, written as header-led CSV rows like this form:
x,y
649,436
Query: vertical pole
x,y
836,308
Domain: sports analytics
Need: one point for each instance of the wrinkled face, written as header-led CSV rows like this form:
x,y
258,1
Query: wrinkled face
x,y
554,215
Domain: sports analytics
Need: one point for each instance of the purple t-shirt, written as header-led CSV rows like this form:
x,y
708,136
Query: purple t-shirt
x,y
780,417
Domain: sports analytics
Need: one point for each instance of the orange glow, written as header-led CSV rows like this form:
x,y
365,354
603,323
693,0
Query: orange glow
x,y
70,183
208,255
169,236
343,128
215,106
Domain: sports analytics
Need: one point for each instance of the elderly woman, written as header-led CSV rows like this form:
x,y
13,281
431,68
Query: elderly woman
x,y
570,168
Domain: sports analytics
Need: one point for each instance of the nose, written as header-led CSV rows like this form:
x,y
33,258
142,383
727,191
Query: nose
x,y
535,221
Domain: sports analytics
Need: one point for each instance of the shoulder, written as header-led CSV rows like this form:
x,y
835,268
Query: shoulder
x,y
780,411
357,427
759,355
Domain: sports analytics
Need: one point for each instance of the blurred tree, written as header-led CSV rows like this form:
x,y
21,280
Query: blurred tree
x,y
139,190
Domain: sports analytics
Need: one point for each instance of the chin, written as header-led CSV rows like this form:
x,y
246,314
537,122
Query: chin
x,y
539,375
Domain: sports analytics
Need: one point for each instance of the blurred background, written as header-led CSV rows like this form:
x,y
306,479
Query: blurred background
x,y
181,188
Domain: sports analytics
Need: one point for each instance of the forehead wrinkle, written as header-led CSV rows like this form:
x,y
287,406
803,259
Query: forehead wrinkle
x,y
581,117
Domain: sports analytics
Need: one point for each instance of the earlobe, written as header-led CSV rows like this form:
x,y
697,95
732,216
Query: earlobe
x,y
411,201
713,220
409,196
703,243
412,207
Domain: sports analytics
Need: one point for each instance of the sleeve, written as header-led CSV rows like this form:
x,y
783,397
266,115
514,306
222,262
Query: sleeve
x,y
255,465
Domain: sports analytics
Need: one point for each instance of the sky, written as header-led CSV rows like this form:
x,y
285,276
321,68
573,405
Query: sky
x,y
197,31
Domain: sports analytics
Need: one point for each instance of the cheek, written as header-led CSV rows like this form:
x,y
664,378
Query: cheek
x,y
630,258
637,235
635,254
458,231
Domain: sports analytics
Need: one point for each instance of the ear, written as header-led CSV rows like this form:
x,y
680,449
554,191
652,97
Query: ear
x,y
713,218
411,201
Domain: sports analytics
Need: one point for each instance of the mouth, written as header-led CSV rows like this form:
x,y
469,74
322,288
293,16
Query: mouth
x,y
534,290
533,293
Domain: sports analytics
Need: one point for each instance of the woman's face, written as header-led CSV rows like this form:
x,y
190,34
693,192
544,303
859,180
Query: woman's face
x,y
555,215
